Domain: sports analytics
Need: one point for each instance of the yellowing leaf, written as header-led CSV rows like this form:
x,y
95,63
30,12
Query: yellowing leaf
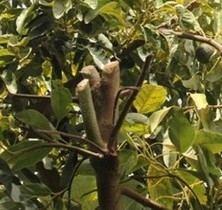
x,y
150,98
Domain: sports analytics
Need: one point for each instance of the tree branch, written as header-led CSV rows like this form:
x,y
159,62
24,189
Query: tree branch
x,y
88,113
112,140
141,199
194,37
69,135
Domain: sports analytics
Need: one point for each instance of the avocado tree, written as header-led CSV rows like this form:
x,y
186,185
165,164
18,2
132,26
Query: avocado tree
x,y
110,104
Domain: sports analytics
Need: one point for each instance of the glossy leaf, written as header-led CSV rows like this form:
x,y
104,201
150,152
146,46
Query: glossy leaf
x,y
10,81
60,7
150,98
181,132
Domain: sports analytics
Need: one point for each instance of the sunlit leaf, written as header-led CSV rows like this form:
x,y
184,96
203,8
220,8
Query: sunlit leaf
x,y
210,140
157,117
181,132
203,111
10,81
196,184
111,8
136,123
150,98
199,100
60,7
160,188
21,20
91,3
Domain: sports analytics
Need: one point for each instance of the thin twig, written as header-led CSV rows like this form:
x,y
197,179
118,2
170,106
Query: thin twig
x,y
128,103
141,199
194,37
92,144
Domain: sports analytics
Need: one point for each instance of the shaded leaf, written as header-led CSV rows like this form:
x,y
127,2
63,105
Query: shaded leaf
x,y
35,119
5,175
150,98
61,100
9,205
32,190
181,132
25,153
128,160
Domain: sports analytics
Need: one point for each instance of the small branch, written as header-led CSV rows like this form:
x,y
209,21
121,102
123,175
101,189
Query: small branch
x,y
87,141
56,145
194,37
88,113
32,96
141,199
129,102
122,91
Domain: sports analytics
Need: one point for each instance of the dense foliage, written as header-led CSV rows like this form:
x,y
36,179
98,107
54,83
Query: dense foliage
x,y
170,142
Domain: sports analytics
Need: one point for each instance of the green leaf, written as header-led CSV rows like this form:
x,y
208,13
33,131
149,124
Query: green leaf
x,y
111,8
196,184
10,81
201,104
83,191
215,72
25,153
5,175
33,190
35,119
136,123
91,3
157,117
150,98
128,160
181,132
61,100
160,189
210,140
9,205
200,100
60,7
25,15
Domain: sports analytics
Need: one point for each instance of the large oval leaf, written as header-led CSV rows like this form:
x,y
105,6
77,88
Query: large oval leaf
x,y
150,98
35,119
25,154
61,99
181,132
